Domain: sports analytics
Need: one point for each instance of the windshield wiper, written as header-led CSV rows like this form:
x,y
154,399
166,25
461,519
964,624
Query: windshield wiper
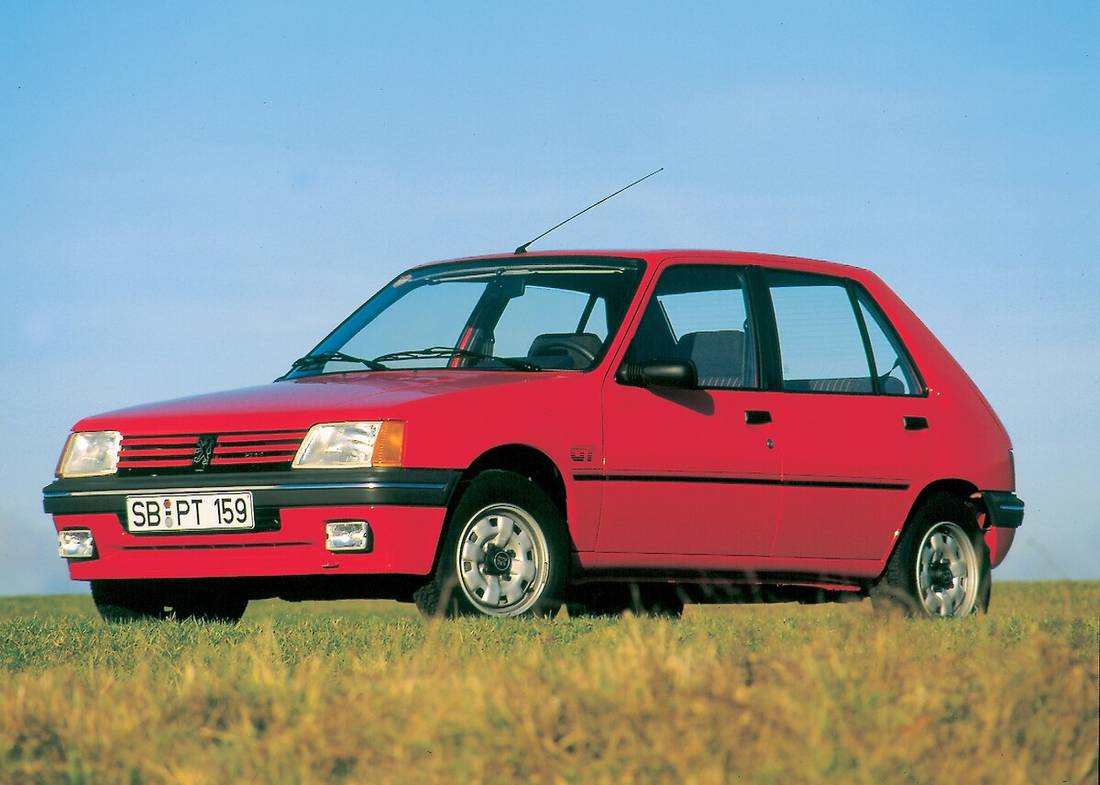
x,y
313,360
450,351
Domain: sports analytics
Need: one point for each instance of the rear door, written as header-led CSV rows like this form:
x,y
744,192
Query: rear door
x,y
851,422
692,472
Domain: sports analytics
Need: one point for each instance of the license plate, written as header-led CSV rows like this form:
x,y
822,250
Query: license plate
x,y
189,512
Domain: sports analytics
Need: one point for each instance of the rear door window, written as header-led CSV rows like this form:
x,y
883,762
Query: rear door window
x,y
820,342
827,345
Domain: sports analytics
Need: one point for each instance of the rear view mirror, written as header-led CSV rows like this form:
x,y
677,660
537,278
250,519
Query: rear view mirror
x,y
660,373
508,287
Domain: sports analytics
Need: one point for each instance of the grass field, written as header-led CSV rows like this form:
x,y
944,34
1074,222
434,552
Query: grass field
x,y
367,692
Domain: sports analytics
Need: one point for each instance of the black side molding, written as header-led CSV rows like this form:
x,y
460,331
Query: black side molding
x,y
728,480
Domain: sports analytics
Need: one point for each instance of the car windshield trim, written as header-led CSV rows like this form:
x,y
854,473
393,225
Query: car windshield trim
x,y
602,271
489,273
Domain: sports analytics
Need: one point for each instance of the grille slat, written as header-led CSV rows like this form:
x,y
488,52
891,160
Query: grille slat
x,y
262,436
258,449
150,441
254,459
148,452
182,453
158,459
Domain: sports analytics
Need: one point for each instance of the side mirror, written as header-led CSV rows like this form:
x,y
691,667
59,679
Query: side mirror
x,y
659,373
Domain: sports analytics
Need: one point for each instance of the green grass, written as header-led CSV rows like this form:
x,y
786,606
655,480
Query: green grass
x,y
368,692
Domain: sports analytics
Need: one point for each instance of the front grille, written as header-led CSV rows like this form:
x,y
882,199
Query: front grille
x,y
208,452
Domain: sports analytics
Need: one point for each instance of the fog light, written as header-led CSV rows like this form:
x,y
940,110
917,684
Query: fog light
x,y
75,544
347,536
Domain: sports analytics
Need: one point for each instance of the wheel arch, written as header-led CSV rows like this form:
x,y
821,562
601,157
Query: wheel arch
x,y
962,489
523,459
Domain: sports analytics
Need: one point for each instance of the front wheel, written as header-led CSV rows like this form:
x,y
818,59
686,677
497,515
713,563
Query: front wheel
x,y
505,552
125,601
120,602
940,567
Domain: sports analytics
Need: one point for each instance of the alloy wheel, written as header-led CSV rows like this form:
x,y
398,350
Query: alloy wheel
x,y
947,571
502,559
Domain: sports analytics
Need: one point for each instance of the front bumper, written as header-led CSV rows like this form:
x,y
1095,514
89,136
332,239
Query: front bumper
x,y
404,507
296,488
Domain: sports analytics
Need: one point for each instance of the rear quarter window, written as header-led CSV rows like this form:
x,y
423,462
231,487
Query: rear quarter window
x,y
896,375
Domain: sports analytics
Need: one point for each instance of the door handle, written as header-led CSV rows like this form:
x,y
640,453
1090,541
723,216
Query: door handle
x,y
915,423
757,417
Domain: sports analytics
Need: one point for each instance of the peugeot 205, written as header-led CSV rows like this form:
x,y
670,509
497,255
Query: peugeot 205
x,y
502,435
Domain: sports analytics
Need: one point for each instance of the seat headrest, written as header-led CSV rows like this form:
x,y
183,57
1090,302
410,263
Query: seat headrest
x,y
577,349
718,356
716,348
892,385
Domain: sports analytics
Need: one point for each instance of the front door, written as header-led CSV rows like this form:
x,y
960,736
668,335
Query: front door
x,y
692,472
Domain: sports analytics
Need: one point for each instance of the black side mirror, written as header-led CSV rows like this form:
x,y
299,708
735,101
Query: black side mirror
x,y
659,373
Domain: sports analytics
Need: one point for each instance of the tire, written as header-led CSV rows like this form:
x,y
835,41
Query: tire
x,y
505,553
940,567
121,602
211,604
614,599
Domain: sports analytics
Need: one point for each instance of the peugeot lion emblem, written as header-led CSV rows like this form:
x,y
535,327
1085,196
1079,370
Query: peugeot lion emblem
x,y
204,452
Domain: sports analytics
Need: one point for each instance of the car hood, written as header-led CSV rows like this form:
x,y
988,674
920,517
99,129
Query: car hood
x,y
299,403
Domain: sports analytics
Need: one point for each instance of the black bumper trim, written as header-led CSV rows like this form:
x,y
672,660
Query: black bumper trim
x,y
301,488
1004,508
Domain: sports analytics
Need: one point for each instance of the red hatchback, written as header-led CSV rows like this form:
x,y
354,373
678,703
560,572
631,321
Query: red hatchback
x,y
501,435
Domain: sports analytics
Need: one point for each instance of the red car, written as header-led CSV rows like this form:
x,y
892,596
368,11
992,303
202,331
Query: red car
x,y
501,435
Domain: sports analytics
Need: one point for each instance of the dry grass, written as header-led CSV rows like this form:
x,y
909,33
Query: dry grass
x,y
366,692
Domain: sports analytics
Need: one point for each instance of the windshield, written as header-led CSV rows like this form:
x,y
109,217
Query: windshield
x,y
549,313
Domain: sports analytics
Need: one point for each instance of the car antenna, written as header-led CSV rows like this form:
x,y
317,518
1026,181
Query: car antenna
x,y
523,248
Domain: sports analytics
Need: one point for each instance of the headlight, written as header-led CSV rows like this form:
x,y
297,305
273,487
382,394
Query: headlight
x,y
352,445
89,453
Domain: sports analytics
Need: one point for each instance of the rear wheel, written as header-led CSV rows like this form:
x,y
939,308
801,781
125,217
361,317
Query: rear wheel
x,y
505,552
940,567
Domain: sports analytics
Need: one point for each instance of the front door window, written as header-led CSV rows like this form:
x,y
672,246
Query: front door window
x,y
700,313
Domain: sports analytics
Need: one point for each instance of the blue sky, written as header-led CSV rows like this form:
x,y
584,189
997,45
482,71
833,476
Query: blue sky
x,y
191,195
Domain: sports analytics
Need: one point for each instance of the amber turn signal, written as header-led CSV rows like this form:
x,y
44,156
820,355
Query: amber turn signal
x,y
389,448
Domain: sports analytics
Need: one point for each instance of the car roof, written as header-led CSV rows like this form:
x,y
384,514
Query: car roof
x,y
661,254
